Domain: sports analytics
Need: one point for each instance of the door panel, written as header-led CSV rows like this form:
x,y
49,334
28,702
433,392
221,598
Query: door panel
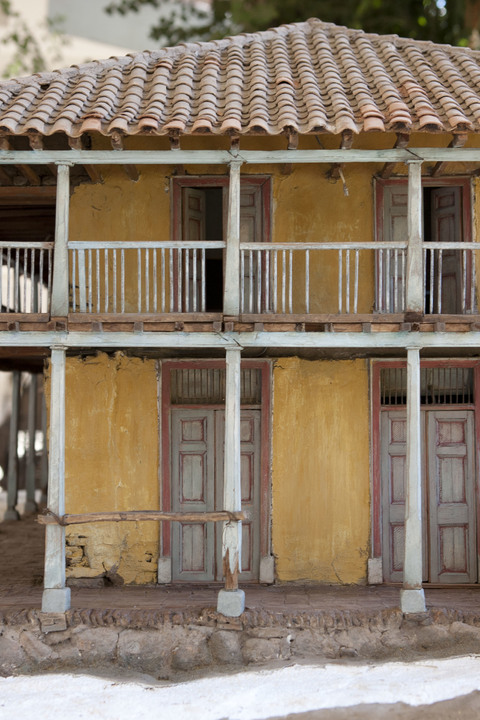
x,y
394,474
197,485
452,496
193,438
448,495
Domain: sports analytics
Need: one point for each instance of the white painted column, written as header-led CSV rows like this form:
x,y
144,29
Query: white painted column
x,y
56,597
60,284
12,468
231,296
231,600
44,459
415,289
30,504
412,597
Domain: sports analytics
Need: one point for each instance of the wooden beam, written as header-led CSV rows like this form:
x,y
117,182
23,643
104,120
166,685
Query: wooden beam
x,y
225,157
139,516
412,597
56,597
414,291
60,289
401,142
117,144
292,144
77,145
458,141
5,179
12,468
36,143
231,299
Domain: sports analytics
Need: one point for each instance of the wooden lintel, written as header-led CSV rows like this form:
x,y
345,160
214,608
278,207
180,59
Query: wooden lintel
x,y
139,516
401,143
458,141
78,143
335,171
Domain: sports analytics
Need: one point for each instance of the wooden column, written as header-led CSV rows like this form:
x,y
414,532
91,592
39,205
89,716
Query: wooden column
x,y
30,504
12,469
44,460
412,596
415,289
231,600
231,296
60,294
56,597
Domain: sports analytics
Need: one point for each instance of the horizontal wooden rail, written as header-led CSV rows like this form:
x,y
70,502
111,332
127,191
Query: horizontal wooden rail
x,y
49,518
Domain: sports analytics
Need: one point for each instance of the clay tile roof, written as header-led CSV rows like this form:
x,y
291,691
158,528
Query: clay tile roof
x,y
307,77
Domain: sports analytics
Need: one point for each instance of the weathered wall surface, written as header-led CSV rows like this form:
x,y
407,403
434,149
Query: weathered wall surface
x,y
112,464
320,470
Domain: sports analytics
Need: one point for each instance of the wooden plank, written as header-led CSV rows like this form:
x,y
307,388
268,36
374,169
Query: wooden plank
x,y
231,298
412,596
139,516
143,317
31,505
60,294
414,292
225,157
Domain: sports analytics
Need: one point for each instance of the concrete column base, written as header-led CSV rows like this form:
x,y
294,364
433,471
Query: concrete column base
x,y
231,602
412,601
56,600
164,575
11,514
375,571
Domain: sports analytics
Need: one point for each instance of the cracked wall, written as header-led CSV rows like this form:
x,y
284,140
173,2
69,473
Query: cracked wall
x,y
321,485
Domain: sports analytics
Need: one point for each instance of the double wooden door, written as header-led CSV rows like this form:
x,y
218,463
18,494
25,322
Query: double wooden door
x,y
448,492
197,455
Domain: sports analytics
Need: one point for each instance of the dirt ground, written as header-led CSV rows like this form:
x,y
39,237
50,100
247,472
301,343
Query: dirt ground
x,y
466,707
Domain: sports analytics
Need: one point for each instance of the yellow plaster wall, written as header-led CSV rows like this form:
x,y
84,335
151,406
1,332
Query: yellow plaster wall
x,y
112,464
320,473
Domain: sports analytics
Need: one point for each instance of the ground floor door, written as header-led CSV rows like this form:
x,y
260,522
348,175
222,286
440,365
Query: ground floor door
x,y
197,452
448,492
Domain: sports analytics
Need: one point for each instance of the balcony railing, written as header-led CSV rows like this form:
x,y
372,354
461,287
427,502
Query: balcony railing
x,y
283,279
26,277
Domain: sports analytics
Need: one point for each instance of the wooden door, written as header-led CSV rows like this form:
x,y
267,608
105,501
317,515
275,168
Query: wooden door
x,y
197,454
391,263
451,496
393,427
448,495
190,262
446,279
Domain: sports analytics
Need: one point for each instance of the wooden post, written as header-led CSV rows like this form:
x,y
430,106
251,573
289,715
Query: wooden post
x,y
412,596
60,294
231,600
30,504
44,459
12,469
56,597
231,296
415,289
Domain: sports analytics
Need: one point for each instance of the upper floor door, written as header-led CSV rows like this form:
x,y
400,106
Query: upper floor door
x,y
202,218
447,271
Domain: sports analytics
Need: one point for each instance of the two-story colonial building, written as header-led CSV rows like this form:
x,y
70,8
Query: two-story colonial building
x,y
254,273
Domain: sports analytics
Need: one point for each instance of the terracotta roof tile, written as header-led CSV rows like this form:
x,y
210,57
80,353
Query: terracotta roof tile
x,y
308,77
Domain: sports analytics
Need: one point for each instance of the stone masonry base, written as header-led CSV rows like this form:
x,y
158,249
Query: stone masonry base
x,y
163,644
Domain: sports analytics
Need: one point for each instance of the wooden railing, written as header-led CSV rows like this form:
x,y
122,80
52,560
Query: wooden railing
x,y
26,277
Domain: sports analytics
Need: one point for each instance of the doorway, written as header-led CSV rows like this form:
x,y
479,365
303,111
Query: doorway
x,y
193,416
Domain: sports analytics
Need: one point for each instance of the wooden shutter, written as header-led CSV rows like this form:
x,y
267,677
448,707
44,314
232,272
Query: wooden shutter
x,y
445,267
390,263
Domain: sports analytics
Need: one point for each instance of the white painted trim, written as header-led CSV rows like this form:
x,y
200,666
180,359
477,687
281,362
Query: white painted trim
x,y
232,489
225,157
231,299
412,565
60,285
415,294
30,504
54,575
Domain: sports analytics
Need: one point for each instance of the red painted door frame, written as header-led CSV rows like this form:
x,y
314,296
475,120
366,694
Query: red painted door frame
x,y
166,501
377,366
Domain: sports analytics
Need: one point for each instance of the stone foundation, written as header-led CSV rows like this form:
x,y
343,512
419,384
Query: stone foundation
x,y
163,644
